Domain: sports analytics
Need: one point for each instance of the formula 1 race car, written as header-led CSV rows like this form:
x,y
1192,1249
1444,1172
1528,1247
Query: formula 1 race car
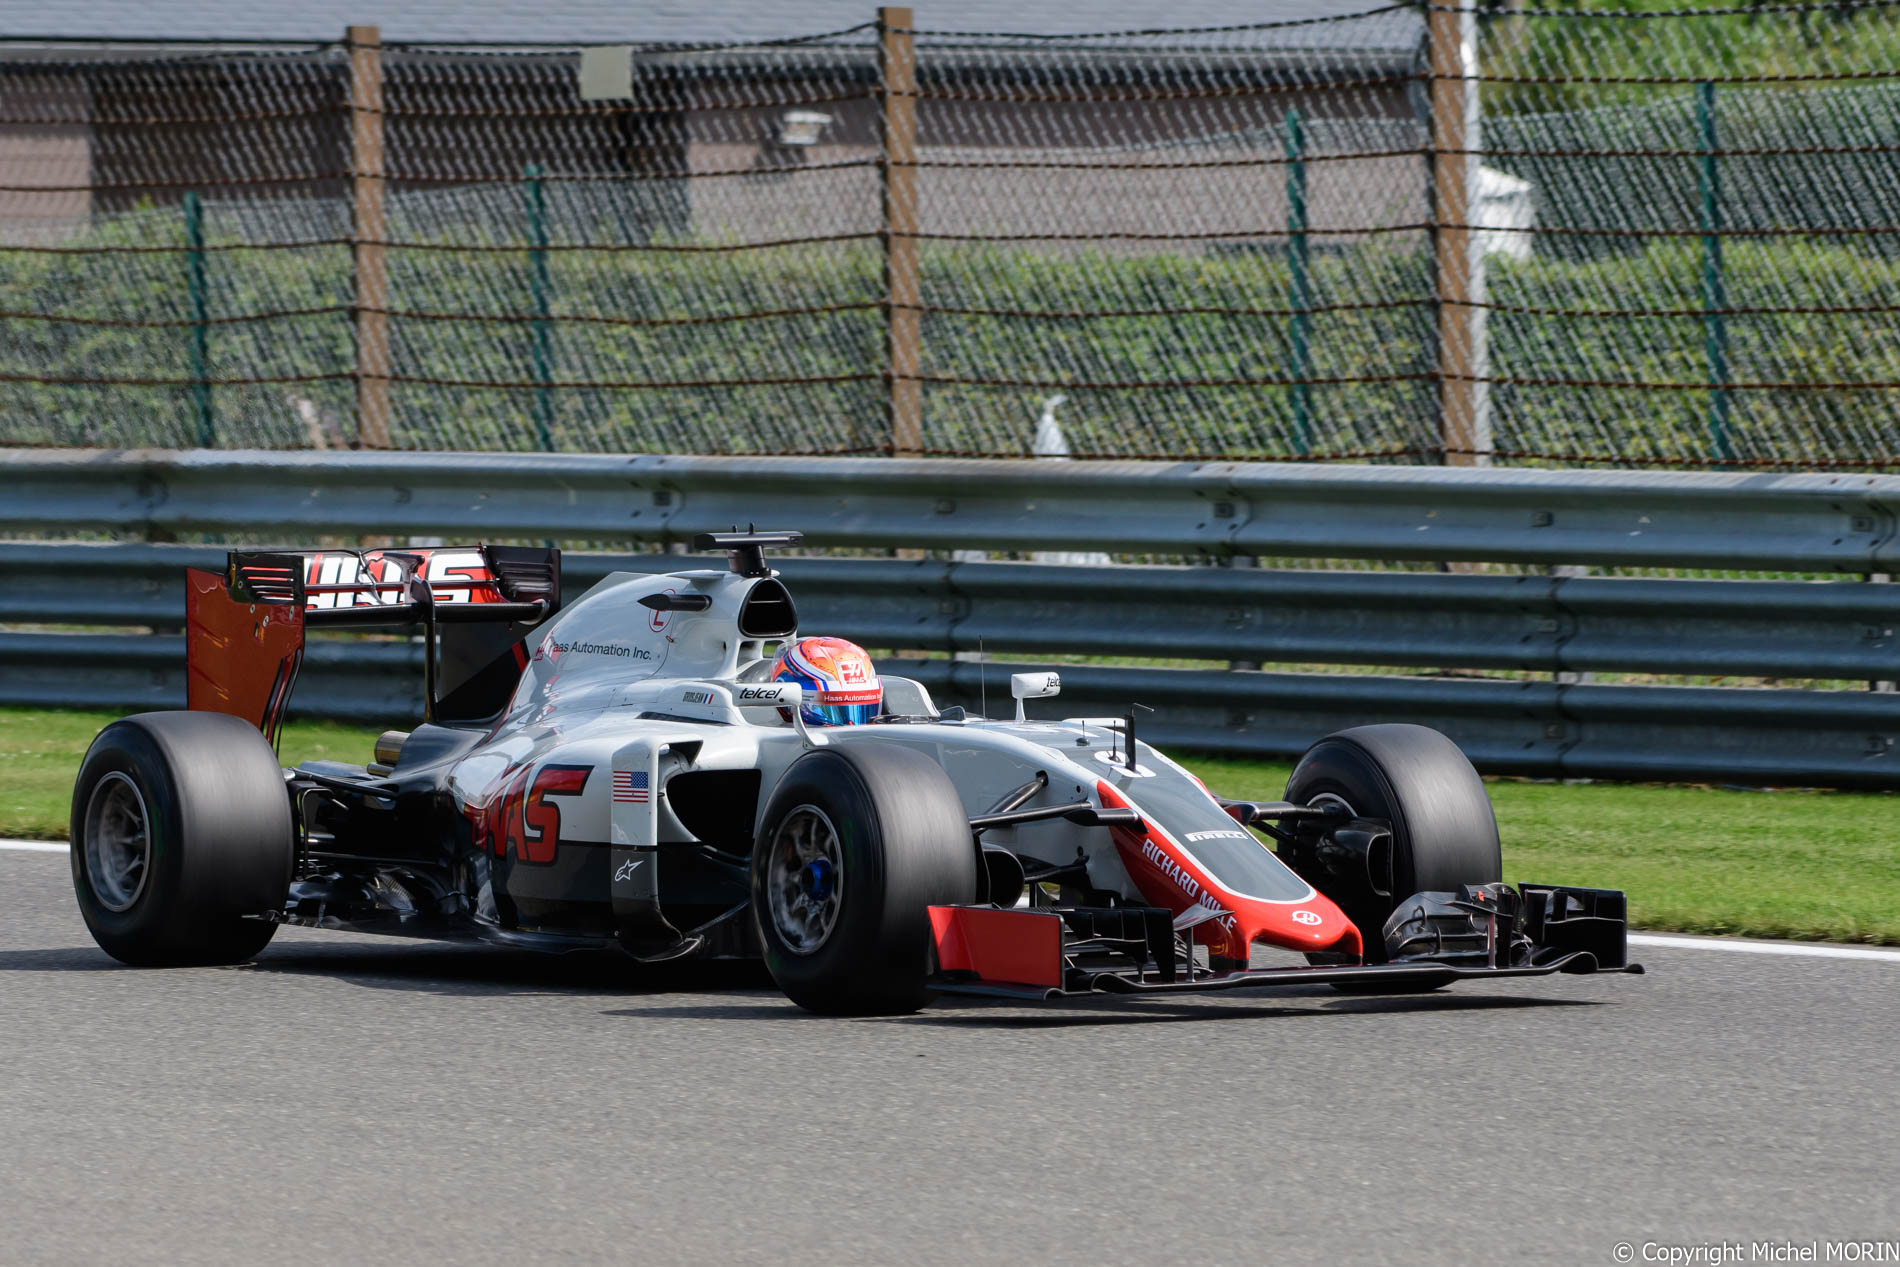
x,y
626,772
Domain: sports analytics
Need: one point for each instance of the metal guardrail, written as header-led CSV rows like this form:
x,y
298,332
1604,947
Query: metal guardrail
x,y
1550,624
1537,623
1754,521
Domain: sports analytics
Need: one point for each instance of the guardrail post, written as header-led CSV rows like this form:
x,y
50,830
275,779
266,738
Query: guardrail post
x,y
903,291
1299,299
1714,283
200,319
1464,398
539,286
369,231
1883,686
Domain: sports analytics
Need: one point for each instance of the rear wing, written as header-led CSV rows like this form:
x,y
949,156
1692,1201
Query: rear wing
x,y
245,627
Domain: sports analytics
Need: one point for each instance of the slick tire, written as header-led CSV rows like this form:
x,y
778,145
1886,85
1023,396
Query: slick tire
x,y
856,842
1443,831
181,828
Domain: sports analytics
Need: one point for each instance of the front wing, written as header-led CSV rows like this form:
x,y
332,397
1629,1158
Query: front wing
x,y
1053,953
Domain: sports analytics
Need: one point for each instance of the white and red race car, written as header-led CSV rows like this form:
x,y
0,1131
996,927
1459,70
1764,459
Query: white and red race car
x,y
621,772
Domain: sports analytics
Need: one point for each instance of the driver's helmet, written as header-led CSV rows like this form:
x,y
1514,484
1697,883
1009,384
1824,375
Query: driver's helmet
x,y
841,687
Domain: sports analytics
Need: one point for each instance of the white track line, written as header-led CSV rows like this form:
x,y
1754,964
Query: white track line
x,y
1811,949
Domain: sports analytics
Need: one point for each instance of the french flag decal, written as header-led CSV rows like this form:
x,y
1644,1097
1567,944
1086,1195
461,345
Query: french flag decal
x,y
630,787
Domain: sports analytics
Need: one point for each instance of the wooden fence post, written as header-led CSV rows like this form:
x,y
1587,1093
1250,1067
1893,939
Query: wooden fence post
x,y
897,137
369,232
1464,399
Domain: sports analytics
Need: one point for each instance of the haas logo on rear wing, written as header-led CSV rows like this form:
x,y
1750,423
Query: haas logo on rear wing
x,y
444,576
348,578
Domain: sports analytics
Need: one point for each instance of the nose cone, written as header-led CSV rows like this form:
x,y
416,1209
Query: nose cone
x,y
1315,924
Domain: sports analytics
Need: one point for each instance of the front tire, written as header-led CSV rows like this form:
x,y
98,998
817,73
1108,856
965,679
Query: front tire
x,y
1443,831
181,829
857,841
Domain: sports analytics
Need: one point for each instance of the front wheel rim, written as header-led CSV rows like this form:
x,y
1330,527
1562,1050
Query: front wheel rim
x,y
804,888
118,842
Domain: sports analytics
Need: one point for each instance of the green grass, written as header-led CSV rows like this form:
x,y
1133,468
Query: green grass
x,y
1693,859
40,753
1821,865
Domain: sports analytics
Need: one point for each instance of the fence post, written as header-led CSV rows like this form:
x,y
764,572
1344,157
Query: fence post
x,y
1714,283
1464,398
897,137
369,232
538,285
1299,326
200,318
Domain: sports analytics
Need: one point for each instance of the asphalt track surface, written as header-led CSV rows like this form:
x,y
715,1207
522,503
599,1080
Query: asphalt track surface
x,y
351,1099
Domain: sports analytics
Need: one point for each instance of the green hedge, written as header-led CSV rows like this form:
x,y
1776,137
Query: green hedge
x,y
1376,328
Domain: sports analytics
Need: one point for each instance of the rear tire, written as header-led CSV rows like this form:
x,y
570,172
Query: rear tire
x,y
1443,830
857,841
181,828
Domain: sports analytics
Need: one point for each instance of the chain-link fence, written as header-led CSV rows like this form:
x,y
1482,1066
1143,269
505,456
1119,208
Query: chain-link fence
x,y
1410,233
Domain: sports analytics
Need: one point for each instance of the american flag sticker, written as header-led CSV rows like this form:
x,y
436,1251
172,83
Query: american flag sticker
x,y
630,787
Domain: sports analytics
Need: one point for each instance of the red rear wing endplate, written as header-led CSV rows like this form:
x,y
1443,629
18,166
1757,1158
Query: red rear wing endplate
x,y
240,658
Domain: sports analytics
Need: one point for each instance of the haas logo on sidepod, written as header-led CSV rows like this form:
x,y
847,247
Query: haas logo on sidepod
x,y
521,819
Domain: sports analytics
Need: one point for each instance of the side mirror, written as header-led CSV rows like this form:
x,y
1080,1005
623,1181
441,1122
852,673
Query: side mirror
x,y
1033,686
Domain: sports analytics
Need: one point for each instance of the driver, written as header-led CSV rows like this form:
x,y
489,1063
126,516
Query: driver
x,y
841,686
